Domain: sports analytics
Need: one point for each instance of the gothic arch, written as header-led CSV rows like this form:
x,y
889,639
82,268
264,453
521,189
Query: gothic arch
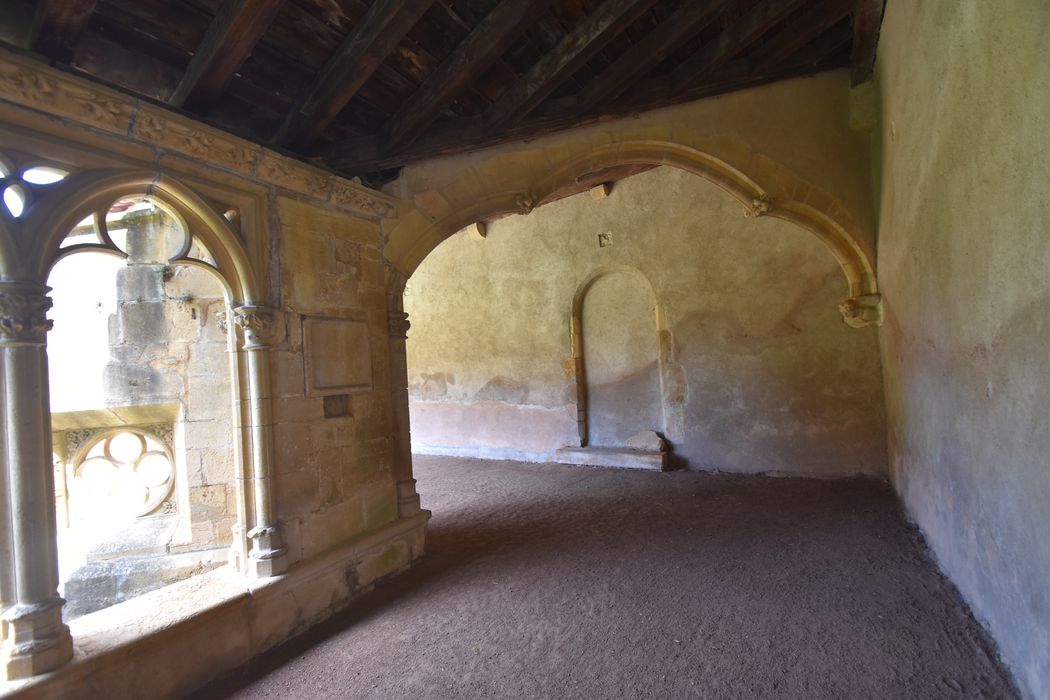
x,y
780,194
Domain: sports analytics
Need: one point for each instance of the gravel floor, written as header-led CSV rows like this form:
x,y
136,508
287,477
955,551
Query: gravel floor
x,y
546,581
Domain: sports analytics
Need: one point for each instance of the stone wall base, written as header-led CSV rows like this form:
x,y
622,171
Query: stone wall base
x,y
169,642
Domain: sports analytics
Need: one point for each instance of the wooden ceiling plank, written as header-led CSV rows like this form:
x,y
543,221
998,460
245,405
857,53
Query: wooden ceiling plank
x,y
57,27
574,50
732,41
654,47
352,64
482,47
867,20
231,36
816,20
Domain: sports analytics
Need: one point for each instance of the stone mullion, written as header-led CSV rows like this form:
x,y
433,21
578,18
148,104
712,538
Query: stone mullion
x,y
35,638
398,325
267,556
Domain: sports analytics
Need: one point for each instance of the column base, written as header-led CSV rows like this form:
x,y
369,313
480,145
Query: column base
x,y
35,641
407,498
267,556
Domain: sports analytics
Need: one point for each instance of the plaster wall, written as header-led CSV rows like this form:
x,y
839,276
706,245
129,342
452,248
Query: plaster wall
x,y
758,371
963,260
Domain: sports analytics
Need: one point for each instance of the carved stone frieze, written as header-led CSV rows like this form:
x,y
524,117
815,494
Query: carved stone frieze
x,y
285,172
23,316
398,324
862,311
361,200
55,93
195,140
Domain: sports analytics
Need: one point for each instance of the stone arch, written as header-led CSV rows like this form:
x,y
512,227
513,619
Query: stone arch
x,y
780,194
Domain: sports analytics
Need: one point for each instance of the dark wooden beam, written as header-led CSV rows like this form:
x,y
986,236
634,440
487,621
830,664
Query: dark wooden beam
x,y
482,47
57,27
654,47
353,63
813,22
365,155
230,38
732,41
573,51
867,21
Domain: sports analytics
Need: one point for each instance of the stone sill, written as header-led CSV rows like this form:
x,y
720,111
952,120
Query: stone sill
x,y
106,636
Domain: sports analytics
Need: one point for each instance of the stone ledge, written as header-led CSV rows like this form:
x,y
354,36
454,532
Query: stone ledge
x,y
618,457
171,641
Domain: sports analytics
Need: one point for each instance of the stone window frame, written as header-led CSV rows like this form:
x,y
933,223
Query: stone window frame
x,y
33,637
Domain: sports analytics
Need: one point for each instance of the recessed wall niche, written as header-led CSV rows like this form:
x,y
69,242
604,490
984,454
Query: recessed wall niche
x,y
338,355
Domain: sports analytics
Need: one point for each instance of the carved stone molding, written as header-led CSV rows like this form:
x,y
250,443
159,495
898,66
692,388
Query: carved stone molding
x,y
63,95
23,316
195,140
360,200
295,176
862,311
258,324
760,206
398,324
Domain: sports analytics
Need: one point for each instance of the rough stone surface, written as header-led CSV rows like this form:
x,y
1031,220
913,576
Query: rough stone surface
x,y
646,440
743,365
543,581
963,260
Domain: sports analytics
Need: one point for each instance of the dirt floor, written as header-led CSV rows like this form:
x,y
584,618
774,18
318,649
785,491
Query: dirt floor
x,y
546,581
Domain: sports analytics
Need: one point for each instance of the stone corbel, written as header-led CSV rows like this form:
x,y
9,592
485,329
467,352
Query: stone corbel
x,y
862,311
525,202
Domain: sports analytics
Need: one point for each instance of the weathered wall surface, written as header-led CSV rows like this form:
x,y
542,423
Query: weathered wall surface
x,y
759,371
963,260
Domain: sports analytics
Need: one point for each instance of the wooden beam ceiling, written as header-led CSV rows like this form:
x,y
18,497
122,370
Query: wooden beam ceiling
x,y
867,20
471,58
353,63
366,86
654,47
231,36
733,41
57,27
587,39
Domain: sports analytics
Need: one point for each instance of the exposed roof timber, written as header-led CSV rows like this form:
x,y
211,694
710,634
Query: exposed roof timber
x,y
57,27
363,156
573,51
731,42
353,63
867,21
230,38
482,47
653,48
813,23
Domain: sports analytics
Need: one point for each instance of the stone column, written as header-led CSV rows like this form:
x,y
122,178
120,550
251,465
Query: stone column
x,y
35,640
267,556
398,325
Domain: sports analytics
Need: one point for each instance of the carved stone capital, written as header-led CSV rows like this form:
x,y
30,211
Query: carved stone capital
x,y
862,311
23,314
397,324
760,206
257,323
